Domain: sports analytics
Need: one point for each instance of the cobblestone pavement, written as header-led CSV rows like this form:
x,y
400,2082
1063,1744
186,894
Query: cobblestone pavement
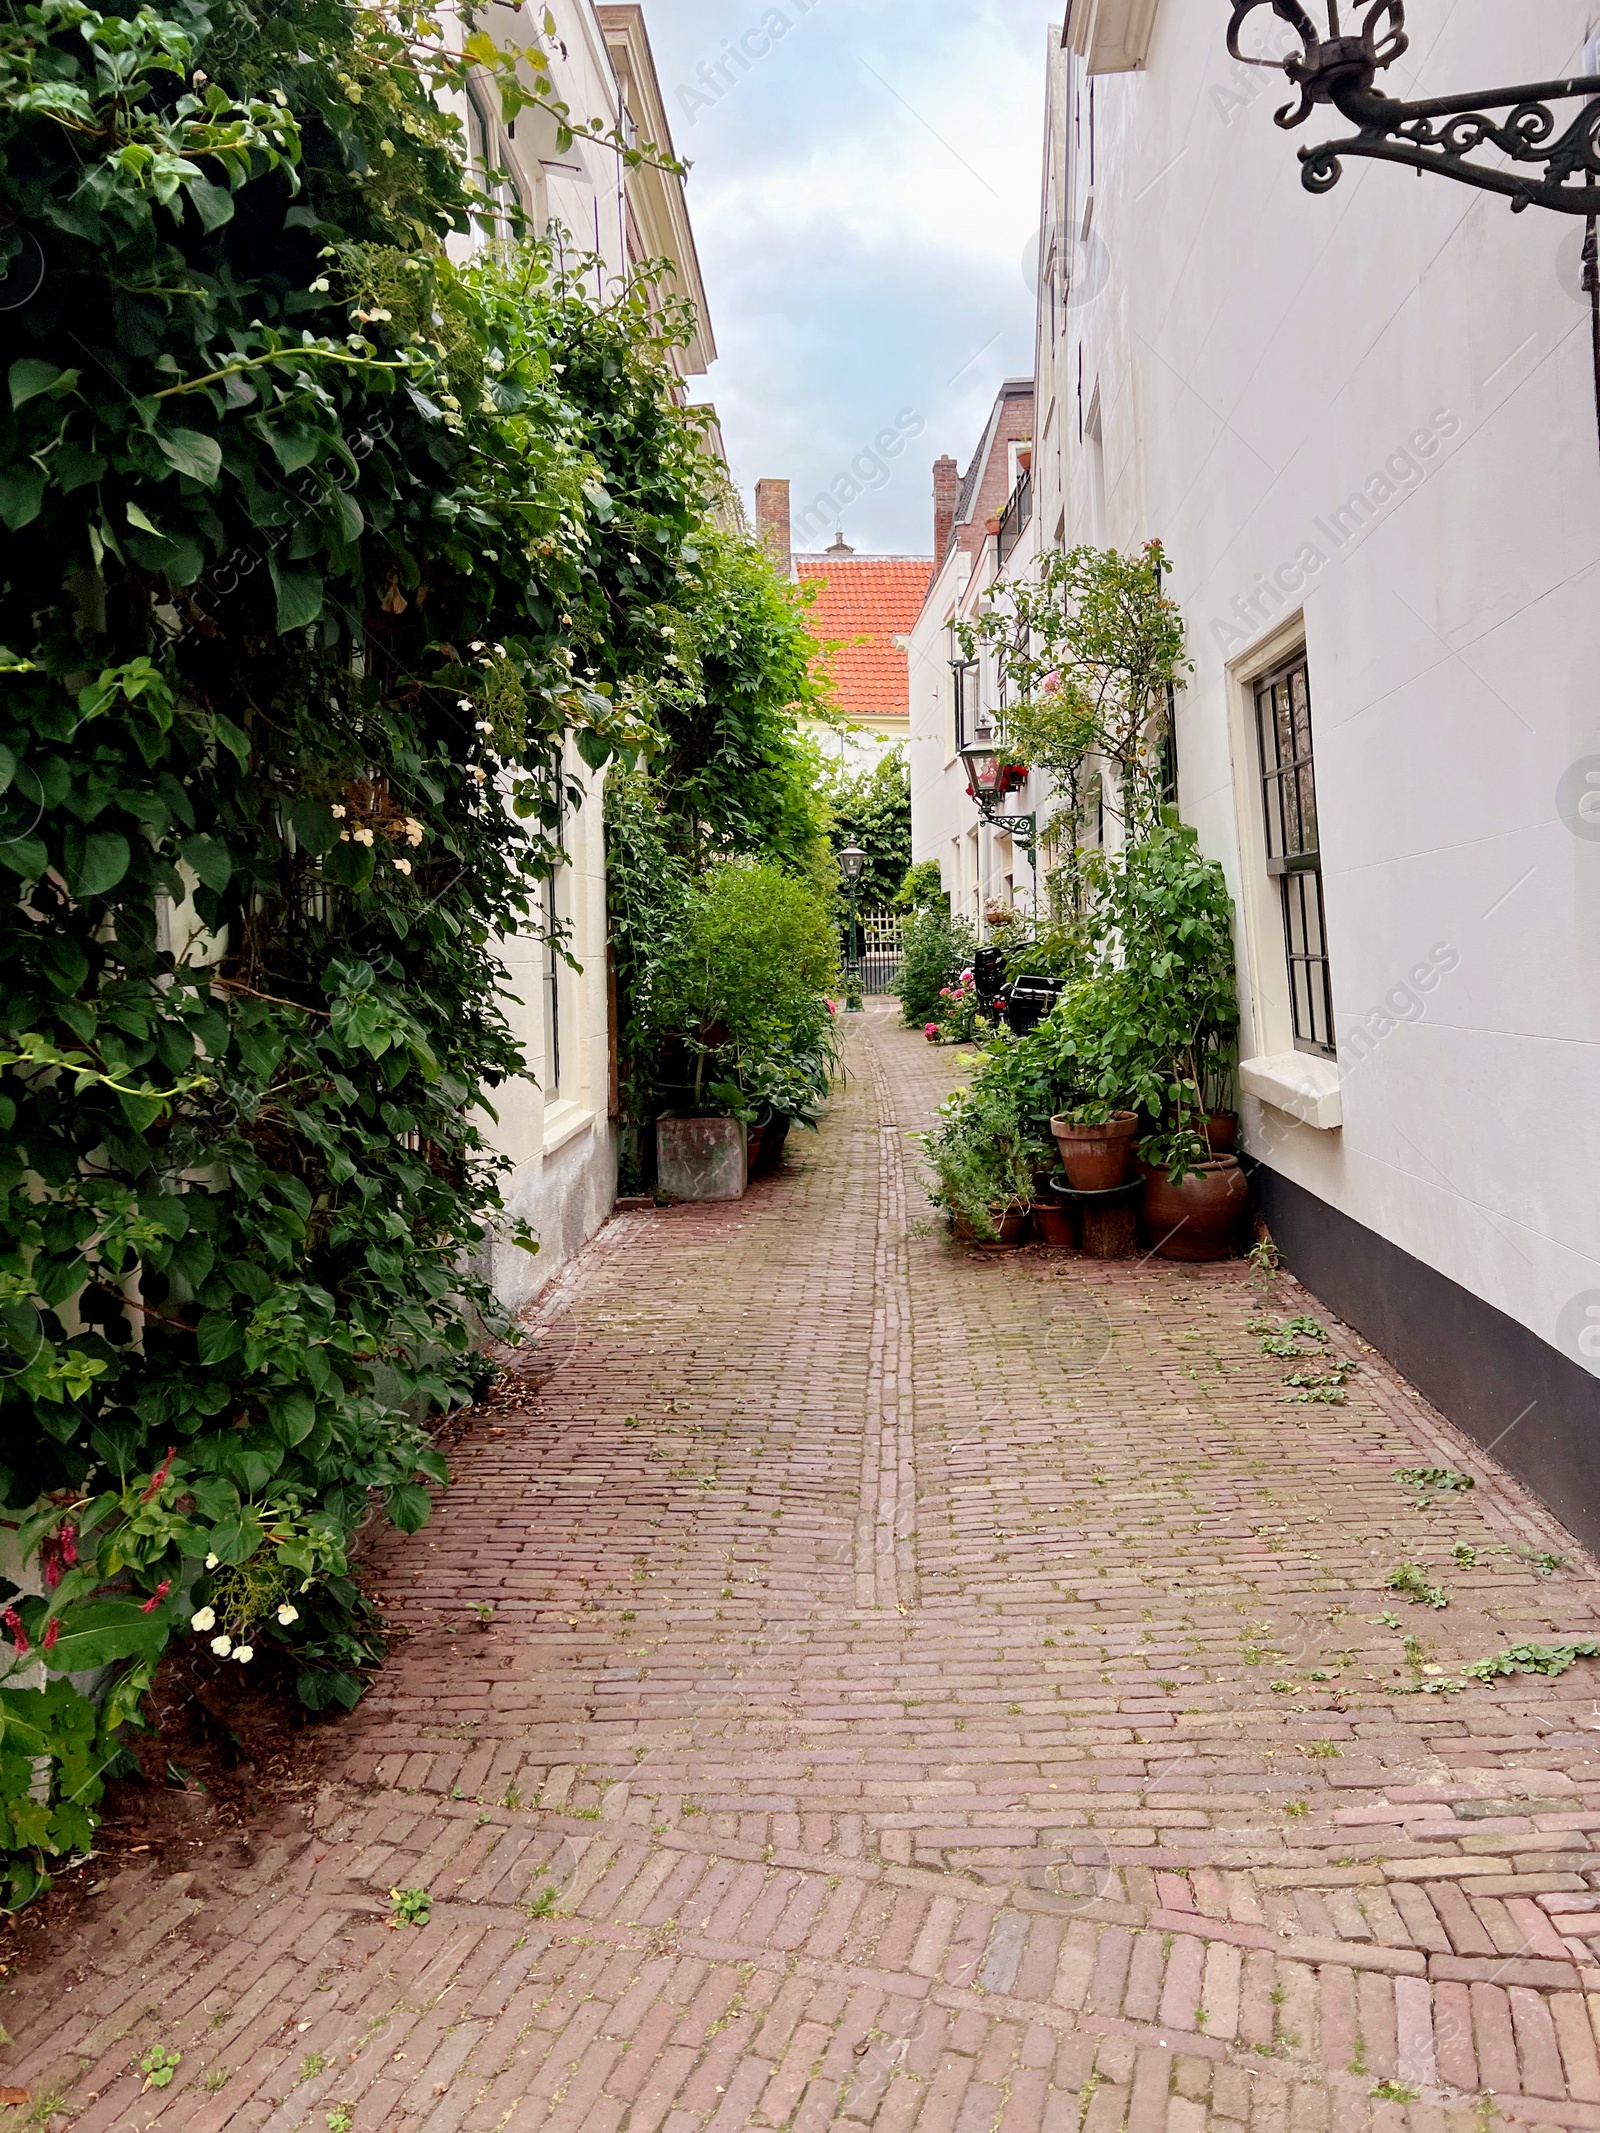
x,y
924,1690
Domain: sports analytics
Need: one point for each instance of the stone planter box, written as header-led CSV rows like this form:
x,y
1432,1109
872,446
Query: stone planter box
x,y
702,1158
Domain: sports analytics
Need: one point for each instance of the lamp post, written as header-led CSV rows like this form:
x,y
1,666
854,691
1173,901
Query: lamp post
x,y
1538,161
852,864
984,773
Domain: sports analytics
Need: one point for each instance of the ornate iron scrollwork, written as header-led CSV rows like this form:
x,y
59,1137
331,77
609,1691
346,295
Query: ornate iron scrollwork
x,y
1439,133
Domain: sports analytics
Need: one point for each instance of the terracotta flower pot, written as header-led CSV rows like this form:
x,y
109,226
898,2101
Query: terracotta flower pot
x,y
1097,1158
1057,1227
1013,1224
1201,1219
1222,1131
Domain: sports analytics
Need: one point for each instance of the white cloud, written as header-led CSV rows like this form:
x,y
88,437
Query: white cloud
x,y
862,199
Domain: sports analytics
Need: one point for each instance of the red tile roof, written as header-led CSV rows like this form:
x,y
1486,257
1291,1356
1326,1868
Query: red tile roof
x,y
875,598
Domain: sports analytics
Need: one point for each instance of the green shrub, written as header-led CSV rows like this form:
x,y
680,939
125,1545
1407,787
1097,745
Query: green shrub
x,y
316,540
756,956
923,888
937,950
984,1157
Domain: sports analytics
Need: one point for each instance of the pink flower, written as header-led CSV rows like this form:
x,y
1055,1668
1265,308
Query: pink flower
x,y
966,977
51,1632
19,1636
159,1477
932,1030
156,1597
67,1540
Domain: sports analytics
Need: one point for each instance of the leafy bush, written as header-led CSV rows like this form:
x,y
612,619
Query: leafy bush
x,y
937,950
1153,1023
319,541
984,1158
923,888
873,809
749,973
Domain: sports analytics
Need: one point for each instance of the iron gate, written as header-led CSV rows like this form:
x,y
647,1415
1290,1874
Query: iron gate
x,y
881,937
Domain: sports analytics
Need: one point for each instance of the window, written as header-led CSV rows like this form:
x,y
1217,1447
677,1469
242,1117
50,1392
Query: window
x,y
1294,860
973,722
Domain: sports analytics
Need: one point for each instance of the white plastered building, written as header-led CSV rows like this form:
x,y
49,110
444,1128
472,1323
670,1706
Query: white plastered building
x,y
1364,427
558,1123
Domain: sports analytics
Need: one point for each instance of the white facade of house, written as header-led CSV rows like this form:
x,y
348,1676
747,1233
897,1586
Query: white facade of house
x,y
981,864
557,1125
1363,425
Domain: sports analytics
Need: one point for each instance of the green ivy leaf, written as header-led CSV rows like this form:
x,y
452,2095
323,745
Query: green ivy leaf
x,y
26,856
192,453
299,596
97,1632
95,862
409,1506
221,1335
212,203
29,378
209,861
21,494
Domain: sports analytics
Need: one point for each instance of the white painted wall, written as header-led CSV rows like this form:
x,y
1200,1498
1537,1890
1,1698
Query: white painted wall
x,y
1261,356
979,863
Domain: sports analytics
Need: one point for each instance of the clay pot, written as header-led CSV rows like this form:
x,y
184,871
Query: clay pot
x,y
1201,1219
1056,1226
1097,1158
1013,1224
1222,1131
774,1136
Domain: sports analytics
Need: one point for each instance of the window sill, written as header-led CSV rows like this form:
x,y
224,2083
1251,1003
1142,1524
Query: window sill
x,y
1306,1088
564,1120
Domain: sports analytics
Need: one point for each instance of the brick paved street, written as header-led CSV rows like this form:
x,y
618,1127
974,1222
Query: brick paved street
x,y
924,1690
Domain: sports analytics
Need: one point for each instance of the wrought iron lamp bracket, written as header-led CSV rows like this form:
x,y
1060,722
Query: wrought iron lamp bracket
x,y
1440,133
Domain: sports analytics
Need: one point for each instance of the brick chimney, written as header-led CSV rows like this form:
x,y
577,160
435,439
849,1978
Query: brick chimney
x,y
772,524
946,491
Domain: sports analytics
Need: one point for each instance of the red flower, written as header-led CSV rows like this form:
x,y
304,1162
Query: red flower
x,y
52,1630
19,1636
50,1562
156,1597
160,1474
67,1540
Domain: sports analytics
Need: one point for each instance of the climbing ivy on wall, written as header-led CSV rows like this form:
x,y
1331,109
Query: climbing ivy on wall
x,y
327,561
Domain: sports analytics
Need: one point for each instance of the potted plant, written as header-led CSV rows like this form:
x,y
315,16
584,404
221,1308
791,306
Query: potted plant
x,y
983,1161
1055,1222
745,987
1096,1145
1195,1203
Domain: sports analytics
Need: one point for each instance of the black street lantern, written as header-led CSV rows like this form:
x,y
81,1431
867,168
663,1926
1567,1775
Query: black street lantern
x,y
984,774
852,864
1551,166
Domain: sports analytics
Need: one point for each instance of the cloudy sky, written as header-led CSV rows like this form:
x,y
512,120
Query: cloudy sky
x,y
866,204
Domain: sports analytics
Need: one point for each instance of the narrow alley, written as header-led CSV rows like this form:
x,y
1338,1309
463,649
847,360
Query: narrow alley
x,y
923,1689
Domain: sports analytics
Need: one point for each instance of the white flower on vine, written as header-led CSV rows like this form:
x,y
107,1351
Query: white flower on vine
x,y
288,1615
481,775
477,645
402,866
363,836
338,811
204,1620
320,286
484,725
465,703
245,1654
500,651
222,1645
211,1562
414,832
